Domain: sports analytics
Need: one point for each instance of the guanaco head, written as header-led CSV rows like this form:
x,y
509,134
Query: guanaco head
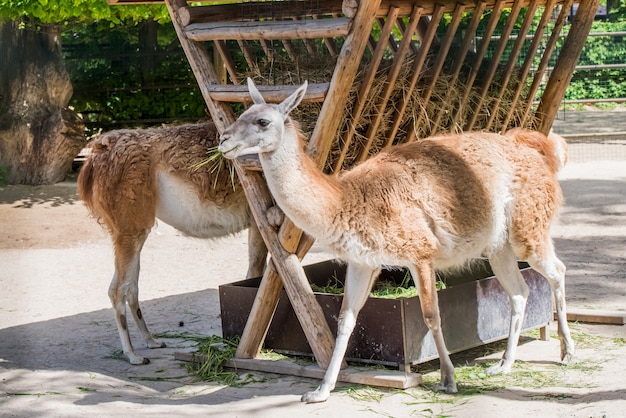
x,y
260,128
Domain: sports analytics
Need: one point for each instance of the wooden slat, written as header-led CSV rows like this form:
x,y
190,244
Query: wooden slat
x,y
416,72
247,53
364,88
459,60
495,61
548,48
429,7
288,46
228,61
530,57
478,58
272,94
390,83
563,69
330,45
441,57
341,82
269,29
511,63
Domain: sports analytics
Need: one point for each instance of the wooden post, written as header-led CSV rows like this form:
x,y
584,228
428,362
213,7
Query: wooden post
x,y
562,73
288,266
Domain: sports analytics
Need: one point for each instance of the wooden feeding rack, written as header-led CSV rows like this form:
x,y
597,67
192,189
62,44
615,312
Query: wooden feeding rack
x,y
380,72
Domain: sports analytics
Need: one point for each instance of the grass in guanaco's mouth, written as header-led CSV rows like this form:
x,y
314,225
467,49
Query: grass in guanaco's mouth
x,y
216,162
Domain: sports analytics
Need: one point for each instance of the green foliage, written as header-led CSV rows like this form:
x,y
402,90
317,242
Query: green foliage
x,y
118,80
384,289
603,82
65,11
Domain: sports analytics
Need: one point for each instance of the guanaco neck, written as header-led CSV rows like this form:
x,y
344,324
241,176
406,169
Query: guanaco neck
x,y
308,197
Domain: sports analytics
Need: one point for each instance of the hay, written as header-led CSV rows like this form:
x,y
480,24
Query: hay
x,y
445,104
445,110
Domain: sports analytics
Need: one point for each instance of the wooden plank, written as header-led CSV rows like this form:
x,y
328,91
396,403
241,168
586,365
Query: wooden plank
x,y
269,29
381,378
430,6
378,377
594,316
272,94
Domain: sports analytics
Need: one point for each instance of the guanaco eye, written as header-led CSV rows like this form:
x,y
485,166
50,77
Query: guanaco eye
x,y
264,122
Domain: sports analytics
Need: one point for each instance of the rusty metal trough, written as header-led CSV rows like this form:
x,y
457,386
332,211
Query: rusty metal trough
x,y
475,310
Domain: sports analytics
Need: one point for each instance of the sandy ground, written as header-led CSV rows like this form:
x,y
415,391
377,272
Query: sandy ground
x,y
58,340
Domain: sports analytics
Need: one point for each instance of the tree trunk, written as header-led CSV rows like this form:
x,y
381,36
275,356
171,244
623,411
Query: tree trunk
x,y
39,135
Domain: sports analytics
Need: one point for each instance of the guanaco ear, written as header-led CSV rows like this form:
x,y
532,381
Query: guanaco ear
x,y
254,93
292,101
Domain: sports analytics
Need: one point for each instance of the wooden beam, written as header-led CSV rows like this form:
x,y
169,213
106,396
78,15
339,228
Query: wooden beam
x,y
374,377
269,29
258,11
348,8
315,92
596,316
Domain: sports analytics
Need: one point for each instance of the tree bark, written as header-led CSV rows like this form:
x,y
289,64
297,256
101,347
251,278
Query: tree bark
x,y
39,135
